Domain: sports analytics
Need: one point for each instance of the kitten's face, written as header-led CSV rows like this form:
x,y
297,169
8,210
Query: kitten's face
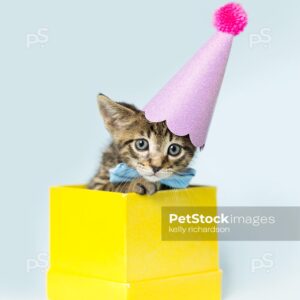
x,y
150,148
154,151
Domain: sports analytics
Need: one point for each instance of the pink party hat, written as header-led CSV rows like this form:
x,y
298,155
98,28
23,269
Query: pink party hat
x,y
188,100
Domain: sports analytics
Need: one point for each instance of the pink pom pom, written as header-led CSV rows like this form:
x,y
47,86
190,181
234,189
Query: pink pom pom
x,y
231,18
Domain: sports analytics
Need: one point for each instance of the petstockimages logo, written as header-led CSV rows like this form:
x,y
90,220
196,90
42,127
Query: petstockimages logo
x,y
231,223
220,219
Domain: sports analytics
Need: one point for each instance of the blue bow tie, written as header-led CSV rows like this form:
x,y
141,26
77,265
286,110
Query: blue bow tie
x,y
124,173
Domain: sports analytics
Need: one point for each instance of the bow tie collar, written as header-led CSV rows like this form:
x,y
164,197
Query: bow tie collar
x,y
123,173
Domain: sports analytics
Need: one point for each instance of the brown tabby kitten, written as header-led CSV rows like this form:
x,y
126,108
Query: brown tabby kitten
x,y
150,148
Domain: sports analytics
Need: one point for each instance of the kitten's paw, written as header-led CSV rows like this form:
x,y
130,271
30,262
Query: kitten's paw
x,y
143,187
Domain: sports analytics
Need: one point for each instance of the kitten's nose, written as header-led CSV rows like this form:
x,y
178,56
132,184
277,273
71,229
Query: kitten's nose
x,y
155,169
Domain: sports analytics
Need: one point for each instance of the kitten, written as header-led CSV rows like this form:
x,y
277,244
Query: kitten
x,y
150,148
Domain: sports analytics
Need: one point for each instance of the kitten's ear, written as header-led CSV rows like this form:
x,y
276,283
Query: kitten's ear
x,y
115,115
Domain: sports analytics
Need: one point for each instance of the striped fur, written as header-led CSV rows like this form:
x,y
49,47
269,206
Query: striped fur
x,y
126,125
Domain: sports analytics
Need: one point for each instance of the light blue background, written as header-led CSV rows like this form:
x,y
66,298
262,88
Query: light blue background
x,y
51,132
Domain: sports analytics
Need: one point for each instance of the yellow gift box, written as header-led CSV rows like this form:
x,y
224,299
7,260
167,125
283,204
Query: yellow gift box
x,y
108,246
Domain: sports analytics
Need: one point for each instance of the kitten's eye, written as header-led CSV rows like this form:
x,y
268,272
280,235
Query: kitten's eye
x,y
142,145
174,150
